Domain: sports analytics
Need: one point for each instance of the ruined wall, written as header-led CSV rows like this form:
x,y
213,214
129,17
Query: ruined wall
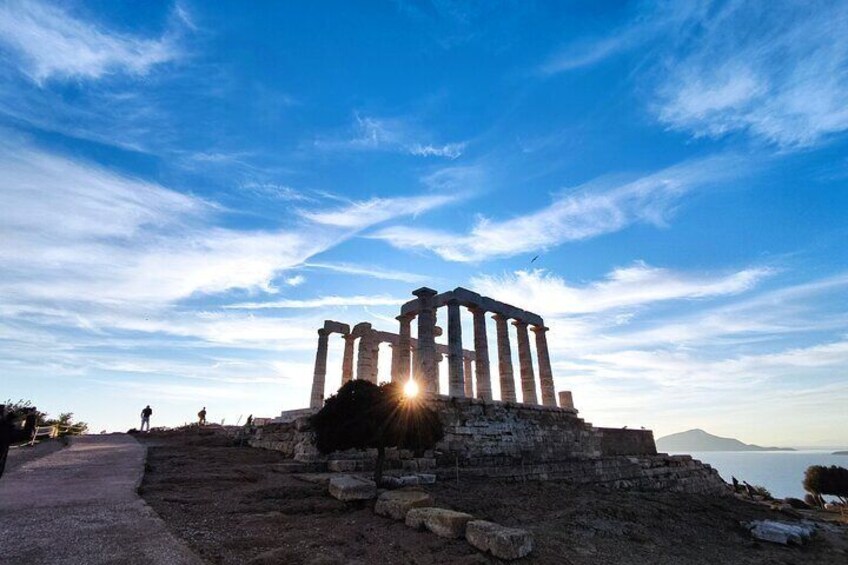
x,y
516,442
617,441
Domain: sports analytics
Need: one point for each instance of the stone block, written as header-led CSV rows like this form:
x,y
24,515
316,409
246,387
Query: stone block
x,y
442,522
396,503
347,488
426,479
500,541
341,465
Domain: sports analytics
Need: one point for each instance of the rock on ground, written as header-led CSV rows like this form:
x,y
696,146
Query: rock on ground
x,y
347,488
500,541
440,521
781,532
396,503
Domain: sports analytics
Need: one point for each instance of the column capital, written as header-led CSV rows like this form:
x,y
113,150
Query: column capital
x,y
519,323
424,292
323,333
405,317
498,317
539,329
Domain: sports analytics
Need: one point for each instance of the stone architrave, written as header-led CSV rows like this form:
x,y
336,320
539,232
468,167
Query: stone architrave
x,y
403,348
318,377
525,363
507,378
546,374
481,355
347,360
427,368
363,357
456,370
469,384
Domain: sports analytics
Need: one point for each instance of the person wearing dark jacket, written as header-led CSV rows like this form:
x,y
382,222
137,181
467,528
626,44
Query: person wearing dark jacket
x,y
145,418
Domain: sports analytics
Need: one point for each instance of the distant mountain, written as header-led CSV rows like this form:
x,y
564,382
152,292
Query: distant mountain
x,y
699,440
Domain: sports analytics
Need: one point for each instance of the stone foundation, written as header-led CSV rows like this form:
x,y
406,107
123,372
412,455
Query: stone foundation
x,y
516,442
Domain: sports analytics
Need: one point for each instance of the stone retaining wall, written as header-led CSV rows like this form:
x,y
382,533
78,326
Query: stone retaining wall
x,y
516,442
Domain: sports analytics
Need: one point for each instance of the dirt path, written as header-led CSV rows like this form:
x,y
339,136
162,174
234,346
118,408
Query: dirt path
x,y
79,505
234,504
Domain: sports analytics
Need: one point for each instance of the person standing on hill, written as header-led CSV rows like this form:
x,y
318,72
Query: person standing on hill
x,y
145,418
201,417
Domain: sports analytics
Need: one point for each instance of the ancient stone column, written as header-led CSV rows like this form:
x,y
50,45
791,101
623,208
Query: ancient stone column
x,y
375,360
469,385
363,357
481,355
316,399
456,370
546,374
565,399
347,360
403,349
507,379
427,367
525,363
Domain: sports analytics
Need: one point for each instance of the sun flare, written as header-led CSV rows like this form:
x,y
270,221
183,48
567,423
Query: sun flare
x,y
410,389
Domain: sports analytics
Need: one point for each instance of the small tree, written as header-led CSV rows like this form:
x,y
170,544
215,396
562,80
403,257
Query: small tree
x,y
363,415
832,481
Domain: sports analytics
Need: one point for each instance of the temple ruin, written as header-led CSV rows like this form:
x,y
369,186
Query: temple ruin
x,y
506,438
469,373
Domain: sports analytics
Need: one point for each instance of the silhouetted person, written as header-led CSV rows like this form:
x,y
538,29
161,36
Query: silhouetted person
x,y
6,424
145,418
201,417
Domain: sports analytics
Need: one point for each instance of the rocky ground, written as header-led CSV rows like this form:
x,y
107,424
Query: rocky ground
x,y
237,504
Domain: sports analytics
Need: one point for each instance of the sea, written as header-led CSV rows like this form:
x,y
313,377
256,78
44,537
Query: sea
x,y
781,472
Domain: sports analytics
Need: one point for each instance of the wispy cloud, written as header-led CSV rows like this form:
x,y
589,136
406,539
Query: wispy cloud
x,y
626,287
777,71
322,302
358,215
390,134
53,43
372,271
601,207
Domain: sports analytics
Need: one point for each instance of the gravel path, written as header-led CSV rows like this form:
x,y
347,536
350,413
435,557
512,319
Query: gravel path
x,y
79,505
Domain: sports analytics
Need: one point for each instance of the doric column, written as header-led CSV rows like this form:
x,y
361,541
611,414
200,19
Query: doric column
x,y
347,360
403,348
525,363
469,386
507,379
456,370
566,400
363,357
481,355
316,399
427,367
375,360
546,374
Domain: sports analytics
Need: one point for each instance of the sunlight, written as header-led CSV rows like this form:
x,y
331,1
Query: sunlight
x,y
410,389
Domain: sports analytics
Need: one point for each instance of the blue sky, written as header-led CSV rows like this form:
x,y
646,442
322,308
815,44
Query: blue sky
x,y
189,190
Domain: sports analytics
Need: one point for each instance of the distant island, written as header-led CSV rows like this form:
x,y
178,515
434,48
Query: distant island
x,y
699,440
840,452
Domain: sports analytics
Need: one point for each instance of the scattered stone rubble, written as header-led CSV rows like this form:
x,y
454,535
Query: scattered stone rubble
x,y
416,509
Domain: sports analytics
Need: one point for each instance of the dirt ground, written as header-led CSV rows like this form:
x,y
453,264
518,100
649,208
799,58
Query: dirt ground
x,y
237,504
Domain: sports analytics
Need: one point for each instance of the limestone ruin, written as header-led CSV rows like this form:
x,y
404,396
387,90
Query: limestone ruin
x,y
468,370
504,439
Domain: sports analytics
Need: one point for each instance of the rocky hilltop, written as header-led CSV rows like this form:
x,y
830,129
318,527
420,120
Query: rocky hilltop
x,y
699,440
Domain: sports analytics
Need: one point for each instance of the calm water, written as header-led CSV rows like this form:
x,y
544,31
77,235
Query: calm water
x,y
781,472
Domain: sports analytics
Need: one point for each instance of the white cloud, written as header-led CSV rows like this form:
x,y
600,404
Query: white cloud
x,y
627,287
52,43
296,280
322,302
358,215
393,135
372,271
588,211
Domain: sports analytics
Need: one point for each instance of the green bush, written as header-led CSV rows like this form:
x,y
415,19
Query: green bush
x,y
832,481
